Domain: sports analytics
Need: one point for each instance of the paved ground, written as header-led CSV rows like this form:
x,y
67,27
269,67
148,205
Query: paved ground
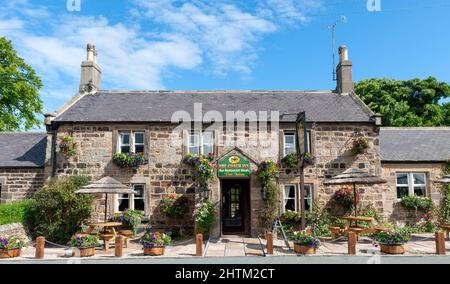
x,y
234,249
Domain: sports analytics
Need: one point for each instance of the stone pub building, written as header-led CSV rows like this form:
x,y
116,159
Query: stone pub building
x,y
243,127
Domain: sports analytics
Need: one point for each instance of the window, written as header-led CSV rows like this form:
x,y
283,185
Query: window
x,y
201,144
292,198
135,145
410,184
132,201
289,143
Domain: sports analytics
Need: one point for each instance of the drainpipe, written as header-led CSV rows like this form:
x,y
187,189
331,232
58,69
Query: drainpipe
x,y
52,128
53,153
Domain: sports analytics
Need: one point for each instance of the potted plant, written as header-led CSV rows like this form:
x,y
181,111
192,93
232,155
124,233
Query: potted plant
x,y
11,247
305,243
308,159
417,203
174,206
129,160
360,144
130,218
392,242
154,243
86,245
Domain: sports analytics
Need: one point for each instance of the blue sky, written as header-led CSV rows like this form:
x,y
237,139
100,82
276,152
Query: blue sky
x,y
242,44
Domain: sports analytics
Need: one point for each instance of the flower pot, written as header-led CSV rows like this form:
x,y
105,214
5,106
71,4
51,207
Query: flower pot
x,y
392,249
154,251
10,253
304,249
87,252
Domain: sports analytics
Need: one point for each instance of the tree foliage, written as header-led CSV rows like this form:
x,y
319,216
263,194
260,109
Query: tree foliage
x,y
407,103
19,91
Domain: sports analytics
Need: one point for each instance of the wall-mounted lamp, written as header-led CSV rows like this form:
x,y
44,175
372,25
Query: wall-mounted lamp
x,y
264,192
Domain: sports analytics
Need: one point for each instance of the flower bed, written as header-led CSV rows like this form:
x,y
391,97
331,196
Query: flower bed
x,y
174,205
10,247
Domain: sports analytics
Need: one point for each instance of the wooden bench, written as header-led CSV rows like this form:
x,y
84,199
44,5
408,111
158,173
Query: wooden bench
x,y
127,235
446,228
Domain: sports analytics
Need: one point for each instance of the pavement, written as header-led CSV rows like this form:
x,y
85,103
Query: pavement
x,y
242,250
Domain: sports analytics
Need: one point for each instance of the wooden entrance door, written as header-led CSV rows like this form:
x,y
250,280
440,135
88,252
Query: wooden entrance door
x,y
235,207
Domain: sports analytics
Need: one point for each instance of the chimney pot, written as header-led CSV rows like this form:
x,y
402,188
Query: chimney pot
x,y
343,53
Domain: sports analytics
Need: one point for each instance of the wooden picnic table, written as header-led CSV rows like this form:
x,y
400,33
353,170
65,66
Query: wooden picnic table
x,y
107,233
356,229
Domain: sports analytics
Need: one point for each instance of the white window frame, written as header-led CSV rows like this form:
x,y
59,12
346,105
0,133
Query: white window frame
x,y
294,147
131,198
308,186
411,185
201,143
132,144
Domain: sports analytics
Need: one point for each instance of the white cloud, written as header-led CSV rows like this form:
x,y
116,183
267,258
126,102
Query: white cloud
x,y
166,35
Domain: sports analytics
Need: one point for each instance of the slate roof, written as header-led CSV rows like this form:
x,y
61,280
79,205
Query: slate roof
x,y
158,106
22,150
415,144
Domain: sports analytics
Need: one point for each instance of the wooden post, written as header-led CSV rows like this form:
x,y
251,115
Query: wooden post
x,y
199,245
440,243
269,240
119,246
40,244
351,243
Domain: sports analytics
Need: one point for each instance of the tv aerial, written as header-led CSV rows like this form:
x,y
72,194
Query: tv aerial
x,y
333,26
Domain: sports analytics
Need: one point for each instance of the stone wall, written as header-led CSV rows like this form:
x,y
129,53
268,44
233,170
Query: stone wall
x,y
395,211
165,174
20,183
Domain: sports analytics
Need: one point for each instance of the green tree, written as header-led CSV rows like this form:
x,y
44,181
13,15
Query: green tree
x,y
20,104
407,103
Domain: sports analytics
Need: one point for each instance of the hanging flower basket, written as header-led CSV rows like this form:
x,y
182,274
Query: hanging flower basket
x,y
202,166
345,197
68,146
360,144
174,206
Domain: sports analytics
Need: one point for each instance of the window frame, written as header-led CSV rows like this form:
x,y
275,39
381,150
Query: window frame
x,y
294,133
200,142
308,187
410,183
131,198
131,142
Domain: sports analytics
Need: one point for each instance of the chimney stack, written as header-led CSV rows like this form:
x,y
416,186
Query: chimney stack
x,y
91,74
344,72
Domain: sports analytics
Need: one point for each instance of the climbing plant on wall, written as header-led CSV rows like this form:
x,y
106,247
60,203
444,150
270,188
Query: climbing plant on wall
x,y
444,210
268,174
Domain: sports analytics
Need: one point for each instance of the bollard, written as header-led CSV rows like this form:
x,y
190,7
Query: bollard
x,y
269,239
118,246
199,245
40,244
351,243
440,243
